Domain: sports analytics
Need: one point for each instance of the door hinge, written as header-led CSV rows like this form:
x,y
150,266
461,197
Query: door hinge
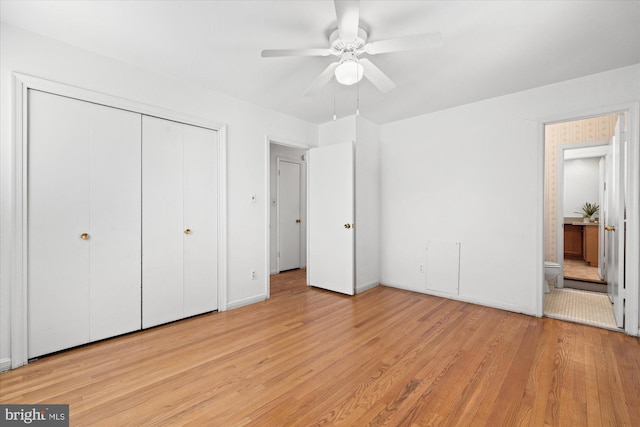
x,y
278,172
622,293
278,254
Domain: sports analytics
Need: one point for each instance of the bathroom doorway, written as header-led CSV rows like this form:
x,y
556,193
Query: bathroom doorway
x,y
581,208
578,186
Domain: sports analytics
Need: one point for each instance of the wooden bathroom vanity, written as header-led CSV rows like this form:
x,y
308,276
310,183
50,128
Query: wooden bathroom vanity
x,y
581,241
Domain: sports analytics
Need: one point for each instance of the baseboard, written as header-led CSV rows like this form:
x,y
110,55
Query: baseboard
x,y
5,364
272,272
471,300
367,286
246,301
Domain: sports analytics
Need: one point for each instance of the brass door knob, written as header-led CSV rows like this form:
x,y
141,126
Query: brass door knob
x,y
347,226
298,221
84,236
187,231
609,228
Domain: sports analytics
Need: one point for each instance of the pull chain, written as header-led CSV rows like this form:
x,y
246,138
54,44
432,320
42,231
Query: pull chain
x,y
358,98
334,103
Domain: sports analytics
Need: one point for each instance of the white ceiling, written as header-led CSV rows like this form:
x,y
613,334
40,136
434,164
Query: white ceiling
x,y
490,48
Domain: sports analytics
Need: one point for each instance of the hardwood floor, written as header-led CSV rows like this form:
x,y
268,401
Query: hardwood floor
x,y
311,357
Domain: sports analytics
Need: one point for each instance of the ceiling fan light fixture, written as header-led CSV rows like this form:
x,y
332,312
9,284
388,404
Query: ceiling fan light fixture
x,y
349,72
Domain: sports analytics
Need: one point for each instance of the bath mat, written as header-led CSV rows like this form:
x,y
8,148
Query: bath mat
x,y
589,308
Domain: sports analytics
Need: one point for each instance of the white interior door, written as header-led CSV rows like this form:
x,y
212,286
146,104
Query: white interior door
x,y
331,217
162,221
289,215
615,225
201,219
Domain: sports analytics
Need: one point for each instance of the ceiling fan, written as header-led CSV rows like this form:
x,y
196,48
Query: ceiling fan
x,y
348,43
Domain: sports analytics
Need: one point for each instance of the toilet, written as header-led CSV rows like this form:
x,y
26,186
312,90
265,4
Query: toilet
x,y
551,271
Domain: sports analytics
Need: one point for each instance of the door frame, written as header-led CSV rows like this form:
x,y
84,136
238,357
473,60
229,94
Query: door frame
x,y
599,151
272,139
17,258
299,163
632,267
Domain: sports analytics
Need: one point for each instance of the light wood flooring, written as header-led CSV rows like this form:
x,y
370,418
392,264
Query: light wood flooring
x,y
578,269
312,357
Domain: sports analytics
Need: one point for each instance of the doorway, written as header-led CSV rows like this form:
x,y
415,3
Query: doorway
x,y
578,183
287,198
288,214
582,211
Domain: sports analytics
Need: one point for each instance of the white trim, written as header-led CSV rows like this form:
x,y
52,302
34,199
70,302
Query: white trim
x,y
18,260
246,301
36,83
477,301
560,216
367,286
5,364
539,257
632,267
586,150
270,139
267,217
223,247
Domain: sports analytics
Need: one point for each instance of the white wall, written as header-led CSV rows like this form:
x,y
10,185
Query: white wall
x,y
334,132
474,174
276,151
367,204
248,124
581,184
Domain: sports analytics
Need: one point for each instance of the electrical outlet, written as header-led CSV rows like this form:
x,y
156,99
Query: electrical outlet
x,y
252,198
253,275
421,268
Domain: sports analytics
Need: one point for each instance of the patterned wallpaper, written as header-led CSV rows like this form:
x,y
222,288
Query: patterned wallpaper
x,y
594,129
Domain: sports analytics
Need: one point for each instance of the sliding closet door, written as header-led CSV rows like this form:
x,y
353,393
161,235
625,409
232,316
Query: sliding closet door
x,y
162,221
83,222
201,218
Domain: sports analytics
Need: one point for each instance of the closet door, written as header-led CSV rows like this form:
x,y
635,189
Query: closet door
x,y
115,242
58,214
162,221
201,218
180,222
83,222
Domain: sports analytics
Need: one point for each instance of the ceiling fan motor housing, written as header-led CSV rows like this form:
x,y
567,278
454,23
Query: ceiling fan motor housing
x,y
355,47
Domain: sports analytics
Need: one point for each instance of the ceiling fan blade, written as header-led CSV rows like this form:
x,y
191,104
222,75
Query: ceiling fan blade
x,y
269,53
399,44
322,80
376,76
348,14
